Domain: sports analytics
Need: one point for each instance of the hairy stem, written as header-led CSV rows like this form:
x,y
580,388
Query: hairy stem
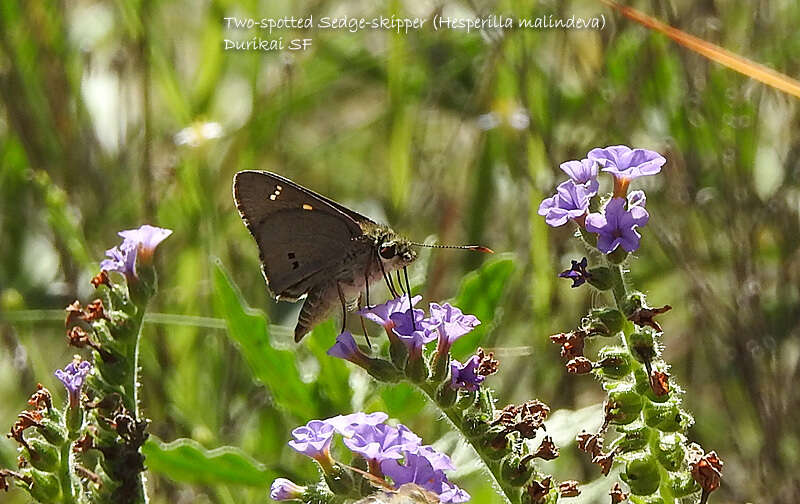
x,y
493,467
620,295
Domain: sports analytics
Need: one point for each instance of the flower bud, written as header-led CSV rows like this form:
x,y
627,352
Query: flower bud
x,y
440,365
632,303
382,370
417,370
43,455
666,417
339,480
600,278
642,474
605,322
617,256
495,443
624,405
515,470
682,484
51,430
74,417
642,345
475,425
397,350
283,489
446,395
669,451
614,363
632,439
643,386
45,486
466,399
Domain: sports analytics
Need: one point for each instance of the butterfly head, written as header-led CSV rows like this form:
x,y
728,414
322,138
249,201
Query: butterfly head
x,y
393,250
396,252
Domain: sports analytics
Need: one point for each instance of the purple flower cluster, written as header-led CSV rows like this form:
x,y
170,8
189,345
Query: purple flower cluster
x,y
73,376
616,224
413,329
390,451
137,245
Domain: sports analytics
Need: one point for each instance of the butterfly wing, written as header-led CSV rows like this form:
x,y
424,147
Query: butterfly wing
x,y
299,232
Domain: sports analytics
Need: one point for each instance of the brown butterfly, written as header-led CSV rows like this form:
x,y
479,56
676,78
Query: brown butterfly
x,y
315,249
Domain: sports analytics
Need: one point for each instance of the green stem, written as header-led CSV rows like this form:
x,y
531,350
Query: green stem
x,y
618,288
134,358
620,292
510,496
65,473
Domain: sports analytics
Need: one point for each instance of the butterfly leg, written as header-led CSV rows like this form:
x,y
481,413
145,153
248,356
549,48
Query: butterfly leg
x,y
366,286
344,305
363,325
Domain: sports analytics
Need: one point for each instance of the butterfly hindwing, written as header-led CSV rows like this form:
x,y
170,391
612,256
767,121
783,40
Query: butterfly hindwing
x,y
299,233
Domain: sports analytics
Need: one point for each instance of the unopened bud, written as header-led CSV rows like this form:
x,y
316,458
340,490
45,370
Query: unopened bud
x,y
600,278
642,345
605,322
614,363
666,417
43,455
632,439
45,486
516,470
642,474
624,405
669,451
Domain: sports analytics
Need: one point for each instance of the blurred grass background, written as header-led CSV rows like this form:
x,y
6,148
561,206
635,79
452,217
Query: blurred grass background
x,y
119,113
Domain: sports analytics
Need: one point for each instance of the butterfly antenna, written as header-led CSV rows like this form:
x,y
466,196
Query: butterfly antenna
x,y
476,248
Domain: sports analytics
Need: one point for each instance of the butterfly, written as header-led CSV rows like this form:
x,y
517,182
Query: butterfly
x,y
317,250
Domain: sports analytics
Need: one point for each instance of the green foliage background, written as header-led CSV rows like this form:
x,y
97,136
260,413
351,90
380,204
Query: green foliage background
x,y
93,94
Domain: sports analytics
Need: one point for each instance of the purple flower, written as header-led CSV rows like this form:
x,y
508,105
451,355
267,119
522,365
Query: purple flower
x,y
146,238
283,489
314,440
465,376
347,424
419,470
583,172
377,443
346,348
453,494
438,460
636,198
380,314
577,273
137,245
616,226
571,201
450,323
73,376
121,259
414,335
627,164
415,469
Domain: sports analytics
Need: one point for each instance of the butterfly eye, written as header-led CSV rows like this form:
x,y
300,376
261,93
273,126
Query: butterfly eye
x,y
388,251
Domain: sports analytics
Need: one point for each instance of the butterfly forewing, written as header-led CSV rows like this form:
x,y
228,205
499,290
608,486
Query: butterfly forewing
x,y
299,233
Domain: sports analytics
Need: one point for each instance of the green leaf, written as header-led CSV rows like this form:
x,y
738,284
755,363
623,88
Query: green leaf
x,y
480,294
402,400
334,376
185,460
276,369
